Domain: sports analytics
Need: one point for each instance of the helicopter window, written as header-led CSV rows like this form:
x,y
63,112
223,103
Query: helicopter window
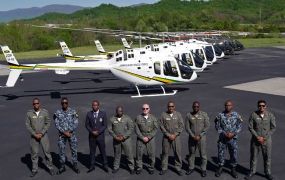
x,y
185,70
119,59
157,69
142,52
198,61
209,53
200,53
131,56
187,58
170,69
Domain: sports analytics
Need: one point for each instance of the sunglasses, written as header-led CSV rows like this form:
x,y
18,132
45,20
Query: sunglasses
x,y
64,102
35,103
171,106
261,105
145,108
196,106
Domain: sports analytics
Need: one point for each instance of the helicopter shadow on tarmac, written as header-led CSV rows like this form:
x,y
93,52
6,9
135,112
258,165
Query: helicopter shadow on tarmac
x,y
58,93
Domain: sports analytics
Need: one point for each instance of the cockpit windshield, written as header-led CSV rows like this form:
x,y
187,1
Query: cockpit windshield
x,y
209,53
185,69
198,61
186,57
200,53
170,69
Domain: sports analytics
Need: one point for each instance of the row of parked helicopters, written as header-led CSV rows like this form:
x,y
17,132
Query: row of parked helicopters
x,y
153,65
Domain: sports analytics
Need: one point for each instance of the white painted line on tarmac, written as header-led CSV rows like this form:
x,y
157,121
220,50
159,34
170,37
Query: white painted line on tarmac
x,y
273,86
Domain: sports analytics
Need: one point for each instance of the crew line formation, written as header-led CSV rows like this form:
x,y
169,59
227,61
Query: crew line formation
x,y
228,125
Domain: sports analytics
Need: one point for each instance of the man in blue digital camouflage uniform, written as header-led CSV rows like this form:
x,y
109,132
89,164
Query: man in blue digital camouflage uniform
x,y
66,122
228,124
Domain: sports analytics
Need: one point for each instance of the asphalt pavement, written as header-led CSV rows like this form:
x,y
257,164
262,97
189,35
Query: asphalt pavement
x,y
81,87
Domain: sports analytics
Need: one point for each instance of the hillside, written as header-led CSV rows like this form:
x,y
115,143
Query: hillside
x,y
27,13
176,15
166,15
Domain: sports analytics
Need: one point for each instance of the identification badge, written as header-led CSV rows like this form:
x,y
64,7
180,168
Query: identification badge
x,y
116,122
100,119
34,117
167,119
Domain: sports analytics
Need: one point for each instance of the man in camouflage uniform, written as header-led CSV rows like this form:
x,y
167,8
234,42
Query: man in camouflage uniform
x,y
262,125
146,127
38,123
66,122
196,124
228,124
171,125
121,127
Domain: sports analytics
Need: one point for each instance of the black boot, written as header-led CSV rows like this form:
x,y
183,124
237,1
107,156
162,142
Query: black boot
x,y
75,168
234,173
51,172
61,169
269,177
105,168
189,171
204,173
115,171
162,172
92,168
34,173
249,176
132,171
219,171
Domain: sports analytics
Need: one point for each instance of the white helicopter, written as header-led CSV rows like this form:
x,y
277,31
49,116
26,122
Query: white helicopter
x,y
180,50
209,50
140,70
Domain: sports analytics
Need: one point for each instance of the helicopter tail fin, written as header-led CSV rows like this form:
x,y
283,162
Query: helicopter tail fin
x,y
11,60
99,46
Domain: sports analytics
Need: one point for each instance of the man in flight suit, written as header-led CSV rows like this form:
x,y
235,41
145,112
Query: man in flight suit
x,y
121,127
196,124
66,122
38,123
146,127
96,123
171,125
262,125
228,124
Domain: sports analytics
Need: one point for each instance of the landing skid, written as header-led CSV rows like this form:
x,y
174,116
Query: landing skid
x,y
153,95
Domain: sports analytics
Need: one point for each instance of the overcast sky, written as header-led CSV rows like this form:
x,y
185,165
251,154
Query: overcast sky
x,y
14,4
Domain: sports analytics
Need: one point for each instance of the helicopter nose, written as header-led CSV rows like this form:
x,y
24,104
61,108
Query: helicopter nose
x,y
194,76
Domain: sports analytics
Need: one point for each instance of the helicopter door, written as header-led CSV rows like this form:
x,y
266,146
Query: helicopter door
x,y
170,68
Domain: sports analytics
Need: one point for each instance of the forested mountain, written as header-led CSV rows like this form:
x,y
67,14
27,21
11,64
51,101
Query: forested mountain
x,y
165,15
26,13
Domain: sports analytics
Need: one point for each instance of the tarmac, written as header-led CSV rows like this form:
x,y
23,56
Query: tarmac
x,y
224,80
